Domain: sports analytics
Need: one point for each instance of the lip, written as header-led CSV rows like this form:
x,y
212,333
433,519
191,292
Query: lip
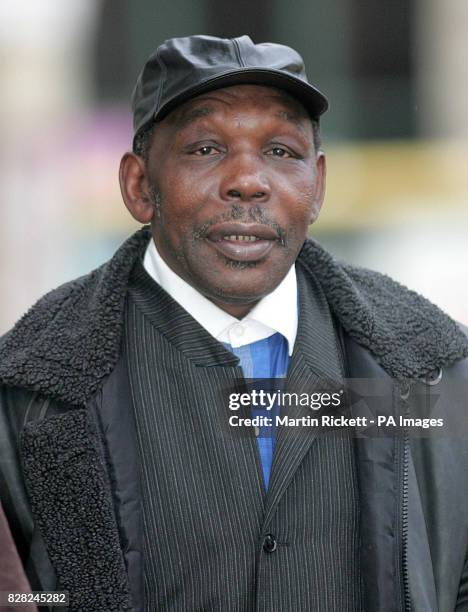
x,y
242,250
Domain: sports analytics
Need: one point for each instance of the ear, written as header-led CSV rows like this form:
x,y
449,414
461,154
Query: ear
x,y
319,189
134,187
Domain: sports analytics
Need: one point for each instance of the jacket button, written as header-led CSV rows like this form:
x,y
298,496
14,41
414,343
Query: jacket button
x,y
269,543
434,377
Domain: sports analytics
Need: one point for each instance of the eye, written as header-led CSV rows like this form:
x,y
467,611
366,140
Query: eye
x,y
205,151
279,152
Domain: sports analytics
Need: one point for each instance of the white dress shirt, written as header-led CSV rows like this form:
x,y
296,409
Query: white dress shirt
x,y
276,312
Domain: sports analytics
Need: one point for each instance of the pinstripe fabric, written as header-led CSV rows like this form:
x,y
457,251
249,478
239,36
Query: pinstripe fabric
x,y
316,526
204,506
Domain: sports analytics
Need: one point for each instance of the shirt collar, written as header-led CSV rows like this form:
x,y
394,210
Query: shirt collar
x,y
276,312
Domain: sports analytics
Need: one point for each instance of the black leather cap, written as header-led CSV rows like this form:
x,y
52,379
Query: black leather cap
x,y
182,68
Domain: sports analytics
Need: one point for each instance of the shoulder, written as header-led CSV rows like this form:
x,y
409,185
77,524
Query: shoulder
x,y
463,328
407,334
41,314
69,340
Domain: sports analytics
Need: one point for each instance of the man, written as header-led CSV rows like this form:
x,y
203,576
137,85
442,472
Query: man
x,y
122,482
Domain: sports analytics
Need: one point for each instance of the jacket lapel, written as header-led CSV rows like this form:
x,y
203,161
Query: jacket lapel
x,y
315,366
70,500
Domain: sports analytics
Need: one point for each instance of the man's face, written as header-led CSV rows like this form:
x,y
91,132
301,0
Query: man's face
x,y
238,182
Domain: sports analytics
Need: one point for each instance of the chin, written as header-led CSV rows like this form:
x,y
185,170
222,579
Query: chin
x,y
238,282
241,290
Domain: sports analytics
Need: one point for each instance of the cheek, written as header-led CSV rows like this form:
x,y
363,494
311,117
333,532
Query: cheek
x,y
185,194
300,210
177,202
179,219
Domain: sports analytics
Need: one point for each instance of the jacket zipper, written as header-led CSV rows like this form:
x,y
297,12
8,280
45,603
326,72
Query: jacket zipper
x,y
403,460
404,525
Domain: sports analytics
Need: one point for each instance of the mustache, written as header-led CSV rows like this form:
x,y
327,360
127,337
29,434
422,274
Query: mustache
x,y
255,214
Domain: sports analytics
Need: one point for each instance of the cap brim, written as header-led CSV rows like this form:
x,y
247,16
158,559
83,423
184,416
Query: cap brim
x,y
309,96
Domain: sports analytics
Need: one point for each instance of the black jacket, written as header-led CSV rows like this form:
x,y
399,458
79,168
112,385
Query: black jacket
x,y
67,438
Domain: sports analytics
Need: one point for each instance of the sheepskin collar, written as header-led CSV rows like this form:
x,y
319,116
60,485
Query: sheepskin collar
x,y
69,342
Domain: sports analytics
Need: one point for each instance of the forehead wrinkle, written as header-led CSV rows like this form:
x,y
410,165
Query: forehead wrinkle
x,y
191,114
292,118
291,111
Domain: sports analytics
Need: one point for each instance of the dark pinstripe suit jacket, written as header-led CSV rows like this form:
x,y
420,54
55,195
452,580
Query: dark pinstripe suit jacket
x,y
206,513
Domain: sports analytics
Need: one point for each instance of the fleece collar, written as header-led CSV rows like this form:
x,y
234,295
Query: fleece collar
x,y
70,340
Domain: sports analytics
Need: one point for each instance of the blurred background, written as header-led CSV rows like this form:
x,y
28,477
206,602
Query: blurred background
x,y
396,134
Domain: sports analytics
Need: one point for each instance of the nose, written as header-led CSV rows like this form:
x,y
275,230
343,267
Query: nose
x,y
244,180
